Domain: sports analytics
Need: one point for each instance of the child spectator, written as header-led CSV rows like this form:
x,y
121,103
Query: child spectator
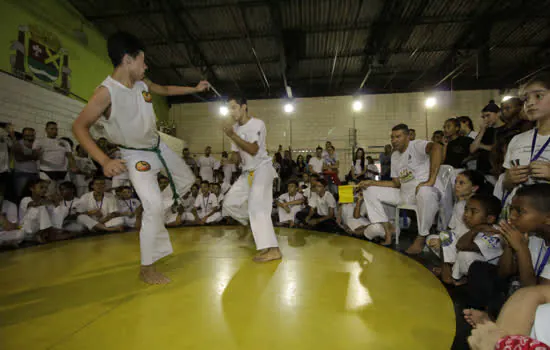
x,y
67,209
10,233
100,210
482,242
456,148
206,205
128,206
289,204
372,170
443,245
352,216
322,210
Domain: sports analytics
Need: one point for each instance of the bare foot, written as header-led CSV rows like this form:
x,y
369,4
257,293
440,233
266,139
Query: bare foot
x,y
417,246
150,275
475,317
460,282
268,255
436,270
447,274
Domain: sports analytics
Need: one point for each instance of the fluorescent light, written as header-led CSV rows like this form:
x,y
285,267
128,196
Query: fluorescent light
x,y
430,102
224,110
288,108
357,105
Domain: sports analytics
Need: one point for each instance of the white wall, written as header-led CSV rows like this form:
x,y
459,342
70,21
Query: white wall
x,y
316,120
28,105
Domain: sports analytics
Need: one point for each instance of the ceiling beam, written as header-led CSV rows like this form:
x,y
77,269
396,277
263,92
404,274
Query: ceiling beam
x,y
277,23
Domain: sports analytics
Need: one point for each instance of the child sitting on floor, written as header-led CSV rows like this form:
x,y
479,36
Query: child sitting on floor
x,y
322,210
206,205
483,241
443,245
128,205
67,209
353,216
289,204
10,233
99,209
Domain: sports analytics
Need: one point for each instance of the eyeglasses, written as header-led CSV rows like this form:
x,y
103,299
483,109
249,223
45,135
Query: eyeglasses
x,y
537,94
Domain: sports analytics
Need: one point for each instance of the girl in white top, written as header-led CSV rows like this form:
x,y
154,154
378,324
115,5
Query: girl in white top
x,y
443,244
289,204
251,197
125,101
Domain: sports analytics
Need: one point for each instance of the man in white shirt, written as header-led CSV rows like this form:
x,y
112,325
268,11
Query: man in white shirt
x,y
207,165
316,163
123,102
56,157
251,197
206,206
414,168
26,161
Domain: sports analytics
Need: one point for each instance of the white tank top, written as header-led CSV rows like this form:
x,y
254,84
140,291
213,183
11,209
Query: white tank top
x,y
132,122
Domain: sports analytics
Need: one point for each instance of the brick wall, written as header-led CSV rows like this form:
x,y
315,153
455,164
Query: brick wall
x,y
316,120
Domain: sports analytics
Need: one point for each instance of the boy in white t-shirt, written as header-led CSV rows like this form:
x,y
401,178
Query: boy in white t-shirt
x,y
128,206
10,233
316,163
322,210
99,209
483,241
289,204
414,168
206,205
68,209
352,216
124,104
251,197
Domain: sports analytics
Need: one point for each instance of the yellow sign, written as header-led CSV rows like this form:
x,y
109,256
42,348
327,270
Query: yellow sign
x,y
346,194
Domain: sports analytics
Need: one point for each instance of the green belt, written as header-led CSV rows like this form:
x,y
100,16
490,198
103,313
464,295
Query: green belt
x,y
156,150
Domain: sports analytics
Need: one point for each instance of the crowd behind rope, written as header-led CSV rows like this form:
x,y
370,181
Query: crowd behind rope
x,y
495,241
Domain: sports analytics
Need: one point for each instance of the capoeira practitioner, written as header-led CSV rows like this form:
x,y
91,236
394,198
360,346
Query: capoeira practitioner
x,y
124,100
250,198
414,168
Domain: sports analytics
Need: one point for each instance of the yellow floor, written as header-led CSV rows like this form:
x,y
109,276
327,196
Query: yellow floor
x,y
329,292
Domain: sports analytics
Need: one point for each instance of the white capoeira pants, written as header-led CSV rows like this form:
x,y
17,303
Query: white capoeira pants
x,y
286,217
90,222
427,201
11,237
463,262
36,219
154,238
448,241
245,202
58,220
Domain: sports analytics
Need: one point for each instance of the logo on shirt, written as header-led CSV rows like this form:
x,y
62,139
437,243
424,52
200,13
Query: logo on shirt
x,y
147,96
143,166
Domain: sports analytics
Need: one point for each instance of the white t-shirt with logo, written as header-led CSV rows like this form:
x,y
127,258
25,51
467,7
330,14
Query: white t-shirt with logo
x,y
317,164
253,131
490,246
54,156
323,204
412,167
205,205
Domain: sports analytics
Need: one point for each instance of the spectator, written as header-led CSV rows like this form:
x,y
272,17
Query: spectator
x,y
301,166
412,134
385,163
316,163
456,148
26,161
438,136
190,161
207,165
7,138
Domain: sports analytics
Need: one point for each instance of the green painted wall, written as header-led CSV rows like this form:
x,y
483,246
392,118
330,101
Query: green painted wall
x,y
89,64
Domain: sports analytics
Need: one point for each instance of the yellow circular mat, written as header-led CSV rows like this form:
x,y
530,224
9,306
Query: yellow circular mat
x,y
329,292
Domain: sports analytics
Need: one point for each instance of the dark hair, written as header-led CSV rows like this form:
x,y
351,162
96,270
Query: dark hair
x,y
122,43
539,194
69,141
224,154
402,127
216,184
31,184
514,100
292,182
490,203
412,130
186,149
319,147
240,100
438,132
27,128
50,123
195,185
491,107
362,157
315,177
278,158
205,182
97,178
455,121
323,182
476,178
68,184
542,78
467,120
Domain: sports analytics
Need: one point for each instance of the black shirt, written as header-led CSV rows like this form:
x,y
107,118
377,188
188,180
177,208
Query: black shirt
x,y
457,150
483,158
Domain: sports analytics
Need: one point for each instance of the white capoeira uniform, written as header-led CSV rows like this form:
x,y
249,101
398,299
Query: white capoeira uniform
x,y
107,206
251,197
449,238
35,219
490,248
207,165
348,218
64,209
411,167
129,205
9,210
132,124
294,208
120,179
205,204
82,181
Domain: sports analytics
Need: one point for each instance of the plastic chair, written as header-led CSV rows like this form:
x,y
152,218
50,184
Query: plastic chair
x,y
444,185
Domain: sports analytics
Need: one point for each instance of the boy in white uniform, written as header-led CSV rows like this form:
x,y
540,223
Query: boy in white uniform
x,y
206,205
251,197
10,234
128,206
414,168
129,121
99,209
289,204
67,210
353,216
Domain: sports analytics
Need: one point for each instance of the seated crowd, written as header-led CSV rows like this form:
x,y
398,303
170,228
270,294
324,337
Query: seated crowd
x,y
495,239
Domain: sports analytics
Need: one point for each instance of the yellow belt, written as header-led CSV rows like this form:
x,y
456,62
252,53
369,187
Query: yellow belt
x,y
250,178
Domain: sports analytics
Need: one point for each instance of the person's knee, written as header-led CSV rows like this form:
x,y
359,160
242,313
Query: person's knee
x,y
426,193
